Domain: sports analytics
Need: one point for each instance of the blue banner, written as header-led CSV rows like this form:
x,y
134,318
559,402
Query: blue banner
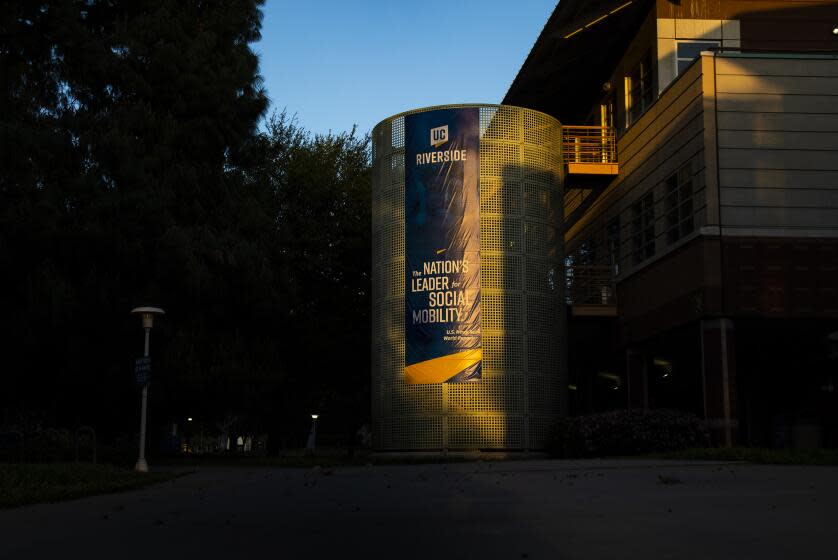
x,y
443,341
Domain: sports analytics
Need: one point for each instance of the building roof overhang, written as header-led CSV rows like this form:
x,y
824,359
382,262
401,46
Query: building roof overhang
x,y
575,54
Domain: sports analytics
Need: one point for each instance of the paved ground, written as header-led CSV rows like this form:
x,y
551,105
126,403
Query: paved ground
x,y
512,510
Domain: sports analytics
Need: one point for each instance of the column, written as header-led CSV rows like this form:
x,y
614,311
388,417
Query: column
x,y
718,376
637,378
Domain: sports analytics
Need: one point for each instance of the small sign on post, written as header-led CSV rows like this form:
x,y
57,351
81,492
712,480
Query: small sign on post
x,y
142,369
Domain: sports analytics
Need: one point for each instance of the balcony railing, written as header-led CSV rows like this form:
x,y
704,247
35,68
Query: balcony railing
x,y
590,149
590,285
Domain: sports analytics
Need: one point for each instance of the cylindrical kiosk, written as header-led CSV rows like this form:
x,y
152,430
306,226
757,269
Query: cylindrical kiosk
x,y
467,283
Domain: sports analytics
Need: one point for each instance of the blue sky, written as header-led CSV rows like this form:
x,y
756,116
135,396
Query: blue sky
x,y
336,63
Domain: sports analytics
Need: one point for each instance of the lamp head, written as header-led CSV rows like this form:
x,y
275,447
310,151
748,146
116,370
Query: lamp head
x,y
315,416
147,314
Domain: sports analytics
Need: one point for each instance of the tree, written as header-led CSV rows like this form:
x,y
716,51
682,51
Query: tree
x,y
321,188
120,124
132,172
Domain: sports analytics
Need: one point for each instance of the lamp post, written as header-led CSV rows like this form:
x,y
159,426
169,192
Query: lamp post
x,y
147,314
201,441
312,435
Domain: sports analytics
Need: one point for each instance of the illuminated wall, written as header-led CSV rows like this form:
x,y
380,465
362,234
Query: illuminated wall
x,y
523,389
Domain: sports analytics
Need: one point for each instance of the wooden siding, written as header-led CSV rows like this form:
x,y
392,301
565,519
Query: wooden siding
x,y
778,145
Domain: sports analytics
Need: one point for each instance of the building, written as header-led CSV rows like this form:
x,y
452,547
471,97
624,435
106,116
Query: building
x,y
702,257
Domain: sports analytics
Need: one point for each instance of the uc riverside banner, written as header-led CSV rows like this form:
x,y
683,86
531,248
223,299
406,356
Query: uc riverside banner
x,y
443,341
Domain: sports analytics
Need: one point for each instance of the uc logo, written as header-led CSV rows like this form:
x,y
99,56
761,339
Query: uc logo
x,y
439,136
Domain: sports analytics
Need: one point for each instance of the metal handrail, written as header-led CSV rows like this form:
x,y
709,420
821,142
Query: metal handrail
x,y
589,144
591,285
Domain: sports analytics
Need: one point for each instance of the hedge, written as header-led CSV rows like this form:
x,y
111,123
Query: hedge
x,y
627,432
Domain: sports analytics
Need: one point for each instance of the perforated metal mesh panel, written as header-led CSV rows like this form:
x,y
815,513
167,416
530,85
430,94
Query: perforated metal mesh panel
x,y
523,385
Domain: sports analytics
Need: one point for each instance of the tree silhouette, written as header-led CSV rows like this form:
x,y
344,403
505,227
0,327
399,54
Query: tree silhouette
x,y
132,172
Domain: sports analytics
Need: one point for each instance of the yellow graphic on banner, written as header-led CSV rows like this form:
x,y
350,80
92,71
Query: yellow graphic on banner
x,y
440,370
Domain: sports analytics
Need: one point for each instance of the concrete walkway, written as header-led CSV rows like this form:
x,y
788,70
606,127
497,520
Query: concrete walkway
x,y
513,510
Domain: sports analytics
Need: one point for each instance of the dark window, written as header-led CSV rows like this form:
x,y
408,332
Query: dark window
x,y
643,228
613,237
587,252
638,89
606,111
687,51
679,204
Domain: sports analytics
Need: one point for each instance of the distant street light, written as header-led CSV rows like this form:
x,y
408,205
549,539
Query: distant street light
x,y
147,314
312,435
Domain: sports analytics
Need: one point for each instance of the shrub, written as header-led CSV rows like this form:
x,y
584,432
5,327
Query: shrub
x,y
627,432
